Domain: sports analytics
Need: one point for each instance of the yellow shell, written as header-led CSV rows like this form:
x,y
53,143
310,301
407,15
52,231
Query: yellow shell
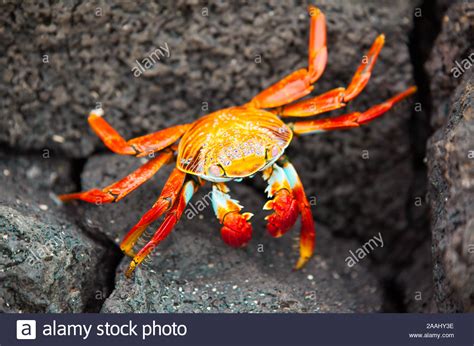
x,y
232,143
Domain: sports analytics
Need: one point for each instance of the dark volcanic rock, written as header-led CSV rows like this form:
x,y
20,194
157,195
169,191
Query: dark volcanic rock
x,y
452,47
451,169
197,272
114,220
450,161
61,59
47,263
214,64
194,270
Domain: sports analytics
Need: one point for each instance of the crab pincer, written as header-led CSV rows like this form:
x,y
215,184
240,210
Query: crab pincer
x,y
285,213
236,230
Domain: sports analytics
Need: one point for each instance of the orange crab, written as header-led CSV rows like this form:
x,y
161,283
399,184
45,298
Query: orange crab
x,y
236,143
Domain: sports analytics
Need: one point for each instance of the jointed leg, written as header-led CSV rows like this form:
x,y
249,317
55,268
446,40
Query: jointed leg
x,y
307,234
299,83
363,72
171,218
236,231
283,204
336,98
163,204
118,190
348,120
140,146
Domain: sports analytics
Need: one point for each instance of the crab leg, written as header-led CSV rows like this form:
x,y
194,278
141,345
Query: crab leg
x,y
171,219
348,120
363,72
140,146
284,204
236,231
118,190
299,83
163,204
307,234
336,98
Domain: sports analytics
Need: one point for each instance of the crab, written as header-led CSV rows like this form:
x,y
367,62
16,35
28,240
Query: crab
x,y
236,143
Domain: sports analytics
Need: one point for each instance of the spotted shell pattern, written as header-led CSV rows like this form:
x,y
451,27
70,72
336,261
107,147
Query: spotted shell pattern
x,y
232,143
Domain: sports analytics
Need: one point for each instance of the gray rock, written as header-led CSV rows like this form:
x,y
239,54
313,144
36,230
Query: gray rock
x,y
61,59
450,166
452,46
114,220
356,197
47,263
416,281
215,62
193,270
451,193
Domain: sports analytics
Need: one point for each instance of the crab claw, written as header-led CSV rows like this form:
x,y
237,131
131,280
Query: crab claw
x,y
236,230
283,203
286,212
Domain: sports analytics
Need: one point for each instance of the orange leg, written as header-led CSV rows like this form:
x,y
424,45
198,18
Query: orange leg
x,y
118,190
299,83
236,231
336,98
140,146
171,218
166,200
283,204
348,120
307,234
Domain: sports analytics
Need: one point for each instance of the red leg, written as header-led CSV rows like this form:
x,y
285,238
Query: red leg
x,y
283,204
166,200
236,231
118,190
336,98
140,146
299,83
348,120
362,75
318,52
307,234
326,102
171,218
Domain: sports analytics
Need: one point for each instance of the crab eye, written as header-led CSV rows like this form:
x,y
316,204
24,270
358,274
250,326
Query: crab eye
x,y
216,171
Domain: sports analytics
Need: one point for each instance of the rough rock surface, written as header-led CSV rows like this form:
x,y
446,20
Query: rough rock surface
x,y
450,160
451,193
80,53
222,54
412,288
452,46
198,273
47,263
194,271
451,168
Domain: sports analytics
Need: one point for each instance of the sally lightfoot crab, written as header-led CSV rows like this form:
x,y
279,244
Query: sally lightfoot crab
x,y
236,143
